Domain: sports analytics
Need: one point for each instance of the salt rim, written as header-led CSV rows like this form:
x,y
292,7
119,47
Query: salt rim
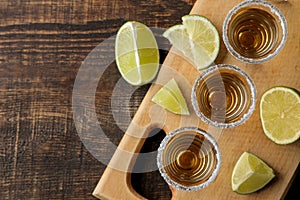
x,y
275,11
221,124
164,173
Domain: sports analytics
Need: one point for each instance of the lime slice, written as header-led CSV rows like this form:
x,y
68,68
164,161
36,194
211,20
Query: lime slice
x,y
280,114
170,98
250,174
197,38
136,52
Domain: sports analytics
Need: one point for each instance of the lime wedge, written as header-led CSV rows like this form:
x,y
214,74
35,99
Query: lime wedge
x,y
136,53
197,38
250,174
280,114
170,98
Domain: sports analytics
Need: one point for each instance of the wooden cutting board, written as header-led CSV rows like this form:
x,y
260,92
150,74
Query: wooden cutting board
x,y
284,69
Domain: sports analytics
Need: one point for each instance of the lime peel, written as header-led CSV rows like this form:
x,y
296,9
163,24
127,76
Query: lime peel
x,y
280,114
170,98
250,174
136,52
197,38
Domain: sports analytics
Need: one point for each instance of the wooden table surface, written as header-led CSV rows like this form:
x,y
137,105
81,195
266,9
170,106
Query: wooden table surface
x,y
42,46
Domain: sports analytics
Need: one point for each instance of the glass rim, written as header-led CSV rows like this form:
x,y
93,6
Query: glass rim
x,y
275,11
252,96
165,175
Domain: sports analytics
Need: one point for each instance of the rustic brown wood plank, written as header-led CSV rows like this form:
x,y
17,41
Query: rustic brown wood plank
x,y
42,45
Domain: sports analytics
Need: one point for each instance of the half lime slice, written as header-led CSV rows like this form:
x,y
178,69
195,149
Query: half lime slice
x,y
280,114
136,53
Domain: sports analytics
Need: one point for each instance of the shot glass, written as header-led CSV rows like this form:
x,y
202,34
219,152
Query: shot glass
x,y
223,96
189,159
254,31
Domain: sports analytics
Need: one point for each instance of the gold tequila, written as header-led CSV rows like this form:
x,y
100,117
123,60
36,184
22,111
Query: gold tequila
x,y
189,159
254,31
224,96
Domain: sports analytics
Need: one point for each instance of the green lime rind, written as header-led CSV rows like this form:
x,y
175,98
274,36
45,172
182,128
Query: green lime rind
x,y
280,114
250,174
136,53
197,38
170,98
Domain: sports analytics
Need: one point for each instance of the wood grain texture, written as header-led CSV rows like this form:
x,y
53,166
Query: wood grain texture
x,y
42,46
233,142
